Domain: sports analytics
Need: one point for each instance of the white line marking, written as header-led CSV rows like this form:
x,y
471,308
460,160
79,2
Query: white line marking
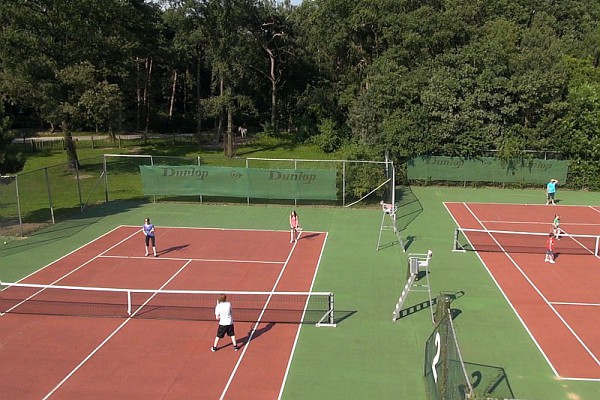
x,y
538,223
287,370
594,208
68,254
112,334
255,327
221,229
67,274
197,259
571,303
541,295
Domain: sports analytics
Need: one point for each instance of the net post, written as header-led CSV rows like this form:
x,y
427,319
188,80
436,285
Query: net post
x,y
328,319
331,308
129,302
597,243
455,243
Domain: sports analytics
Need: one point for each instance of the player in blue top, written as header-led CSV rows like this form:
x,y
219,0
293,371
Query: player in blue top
x,y
148,229
551,191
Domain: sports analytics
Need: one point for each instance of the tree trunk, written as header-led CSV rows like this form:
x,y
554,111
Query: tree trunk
x,y
186,79
198,98
229,148
147,94
173,91
138,93
72,160
273,79
274,118
219,132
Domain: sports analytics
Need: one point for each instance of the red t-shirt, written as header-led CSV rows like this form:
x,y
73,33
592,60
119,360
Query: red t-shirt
x,y
550,244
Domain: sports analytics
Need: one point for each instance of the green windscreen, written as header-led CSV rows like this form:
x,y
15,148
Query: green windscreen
x,y
272,183
487,169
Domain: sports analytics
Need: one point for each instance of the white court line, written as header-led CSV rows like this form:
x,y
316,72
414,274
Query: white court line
x,y
112,334
287,370
246,345
197,259
68,254
571,303
556,207
567,236
538,223
199,228
67,274
502,290
542,296
102,254
594,208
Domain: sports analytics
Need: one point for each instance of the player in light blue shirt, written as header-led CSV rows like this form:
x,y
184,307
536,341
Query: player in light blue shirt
x,y
551,191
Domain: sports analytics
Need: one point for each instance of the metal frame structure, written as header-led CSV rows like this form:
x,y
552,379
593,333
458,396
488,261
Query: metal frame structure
x,y
417,265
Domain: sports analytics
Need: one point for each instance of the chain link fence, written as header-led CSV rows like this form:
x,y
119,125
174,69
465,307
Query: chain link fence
x,y
33,200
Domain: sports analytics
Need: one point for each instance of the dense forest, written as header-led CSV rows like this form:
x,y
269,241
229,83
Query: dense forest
x,y
415,77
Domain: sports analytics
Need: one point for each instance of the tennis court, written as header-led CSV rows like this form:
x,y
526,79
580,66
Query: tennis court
x,y
160,348
556,303
365,356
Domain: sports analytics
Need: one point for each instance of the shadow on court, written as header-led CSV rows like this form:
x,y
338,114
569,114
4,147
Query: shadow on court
x,y
257,333
425,305
339,317
409,208
343,315
70,226
489,381
309,235
172,249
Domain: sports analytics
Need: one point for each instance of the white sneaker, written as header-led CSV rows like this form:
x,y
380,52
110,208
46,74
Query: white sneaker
x,y
146,254
552,262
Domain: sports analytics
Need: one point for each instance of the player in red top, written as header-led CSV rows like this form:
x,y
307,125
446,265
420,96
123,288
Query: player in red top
x,y
550,248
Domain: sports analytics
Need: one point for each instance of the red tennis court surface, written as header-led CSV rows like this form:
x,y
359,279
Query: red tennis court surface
x,y
557,303
71,357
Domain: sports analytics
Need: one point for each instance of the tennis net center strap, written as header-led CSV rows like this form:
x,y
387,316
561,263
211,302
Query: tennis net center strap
x,y
286,307
483,240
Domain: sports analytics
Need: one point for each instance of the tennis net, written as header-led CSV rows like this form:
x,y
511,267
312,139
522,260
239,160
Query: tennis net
x,y
522,242
280,307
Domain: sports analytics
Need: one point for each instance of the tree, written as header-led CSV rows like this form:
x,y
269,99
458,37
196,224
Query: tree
x,y
225,50
102,106
274,34
52,52
10,160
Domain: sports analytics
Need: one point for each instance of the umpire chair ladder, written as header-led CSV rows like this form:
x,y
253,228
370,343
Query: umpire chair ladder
x,y
418,264
388,223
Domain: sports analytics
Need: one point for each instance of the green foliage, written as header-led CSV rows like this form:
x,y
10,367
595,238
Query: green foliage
x,y
436,77
330,137
11,161
269,130
362,178
102,106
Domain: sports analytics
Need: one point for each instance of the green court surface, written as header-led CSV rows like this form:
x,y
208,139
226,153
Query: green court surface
x,y
367,356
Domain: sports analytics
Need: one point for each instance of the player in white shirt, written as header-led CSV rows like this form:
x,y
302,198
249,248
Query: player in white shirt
x,y
223,314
